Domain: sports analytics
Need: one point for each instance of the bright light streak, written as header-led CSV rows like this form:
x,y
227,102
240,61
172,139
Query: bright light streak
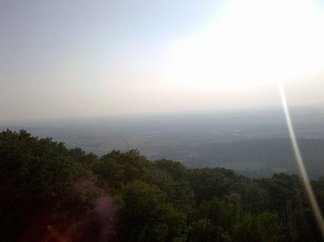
x,y
300,162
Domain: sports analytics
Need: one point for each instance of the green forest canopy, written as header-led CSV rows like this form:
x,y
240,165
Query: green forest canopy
x,y
51,193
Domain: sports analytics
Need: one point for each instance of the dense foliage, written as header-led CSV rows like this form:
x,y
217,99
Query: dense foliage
x,y
51,193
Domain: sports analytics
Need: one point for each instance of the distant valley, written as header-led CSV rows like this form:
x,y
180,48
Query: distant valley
x,y
253,143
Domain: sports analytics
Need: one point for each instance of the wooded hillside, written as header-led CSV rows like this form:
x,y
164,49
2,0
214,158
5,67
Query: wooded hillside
x,y
51,193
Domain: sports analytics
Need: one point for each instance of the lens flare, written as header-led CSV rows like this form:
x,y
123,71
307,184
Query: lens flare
x,y
55,234
300,162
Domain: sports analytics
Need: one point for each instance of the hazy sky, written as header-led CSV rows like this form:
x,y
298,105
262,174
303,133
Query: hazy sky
x,y
81,58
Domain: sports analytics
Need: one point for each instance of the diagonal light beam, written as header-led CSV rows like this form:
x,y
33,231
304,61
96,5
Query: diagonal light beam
x,y
300,162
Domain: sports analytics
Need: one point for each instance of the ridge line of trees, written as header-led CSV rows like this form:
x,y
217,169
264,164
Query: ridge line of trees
x,y
51,193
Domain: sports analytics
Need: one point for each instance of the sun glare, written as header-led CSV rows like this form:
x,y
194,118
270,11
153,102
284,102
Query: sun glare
x,y
255,42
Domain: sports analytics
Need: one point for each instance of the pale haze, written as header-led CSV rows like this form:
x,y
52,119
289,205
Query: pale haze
x,y
63,59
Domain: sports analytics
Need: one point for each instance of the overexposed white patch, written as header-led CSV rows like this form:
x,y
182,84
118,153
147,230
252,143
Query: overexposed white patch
x,y
253,41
